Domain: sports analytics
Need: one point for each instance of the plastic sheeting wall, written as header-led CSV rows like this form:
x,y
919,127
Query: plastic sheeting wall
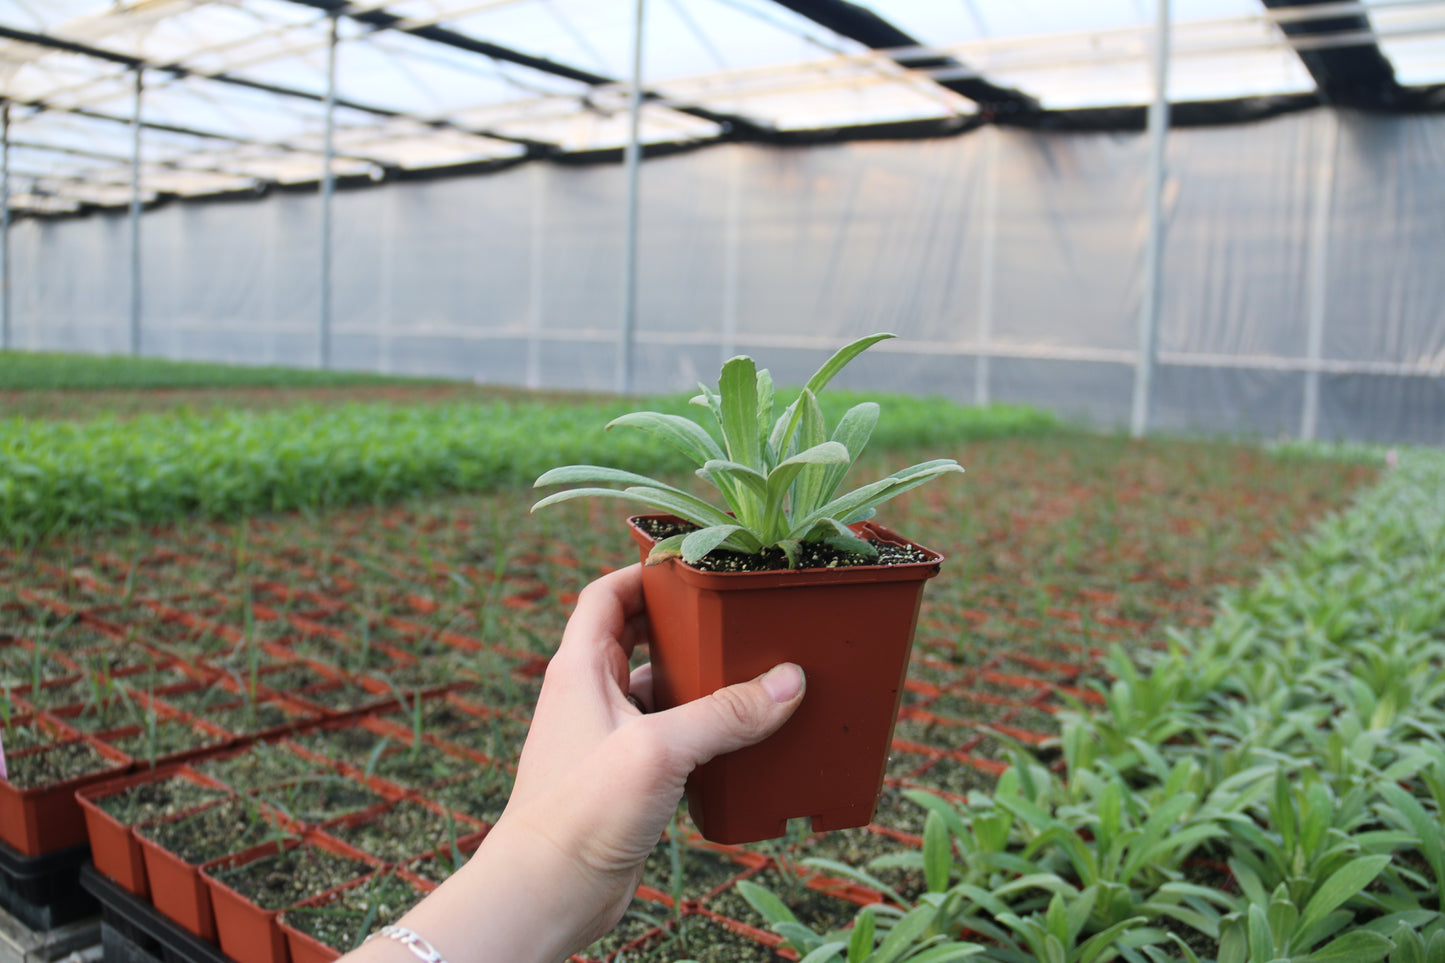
x,y
1302,289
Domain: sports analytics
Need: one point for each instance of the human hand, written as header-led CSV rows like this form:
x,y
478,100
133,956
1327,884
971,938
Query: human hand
x,y
597,784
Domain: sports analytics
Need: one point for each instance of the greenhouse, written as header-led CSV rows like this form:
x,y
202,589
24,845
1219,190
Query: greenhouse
x,y
722,480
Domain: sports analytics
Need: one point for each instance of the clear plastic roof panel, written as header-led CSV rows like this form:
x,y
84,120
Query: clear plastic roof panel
x,y
234,91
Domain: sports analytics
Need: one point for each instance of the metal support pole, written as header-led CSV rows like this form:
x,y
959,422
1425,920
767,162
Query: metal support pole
x,y
632,158
5,226
328,186
135,209
986,268
1149,302
538,290
1318,280
732,255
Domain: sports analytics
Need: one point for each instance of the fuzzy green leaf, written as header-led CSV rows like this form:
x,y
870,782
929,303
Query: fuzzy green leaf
x,y
697,544
769,906
845,508
860,944
669,500
684,434
783,431
738,388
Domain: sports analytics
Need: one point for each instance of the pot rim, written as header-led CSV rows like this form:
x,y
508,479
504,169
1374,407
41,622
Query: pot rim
x,y
844,575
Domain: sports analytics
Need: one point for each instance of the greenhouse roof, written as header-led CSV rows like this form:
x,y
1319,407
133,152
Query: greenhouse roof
x,y
233,93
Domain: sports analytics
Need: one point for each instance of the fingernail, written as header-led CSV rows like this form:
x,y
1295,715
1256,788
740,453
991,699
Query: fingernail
x,y
783,682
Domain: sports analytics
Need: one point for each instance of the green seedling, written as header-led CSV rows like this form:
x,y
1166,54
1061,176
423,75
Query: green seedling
x,y
778,479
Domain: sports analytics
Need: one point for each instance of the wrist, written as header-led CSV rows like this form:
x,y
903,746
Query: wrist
x,y
519,899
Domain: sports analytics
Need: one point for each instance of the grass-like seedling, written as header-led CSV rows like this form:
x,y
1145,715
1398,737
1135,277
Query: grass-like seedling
x,y
778,479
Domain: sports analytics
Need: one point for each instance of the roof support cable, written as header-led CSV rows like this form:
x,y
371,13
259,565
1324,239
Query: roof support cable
x,y
379,19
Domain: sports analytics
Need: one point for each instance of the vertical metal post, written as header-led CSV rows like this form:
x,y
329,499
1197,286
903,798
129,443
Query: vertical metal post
x,y
328,187
632,158
1318,279
1153,255
135,209
987,262
5,225
538,290
732,256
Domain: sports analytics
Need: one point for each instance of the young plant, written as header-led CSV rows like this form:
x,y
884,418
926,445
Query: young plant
x,y
778,479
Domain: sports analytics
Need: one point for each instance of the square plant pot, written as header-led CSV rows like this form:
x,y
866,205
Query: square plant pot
x,y
42,817
246,927
114,848
850,628
173,868
322,928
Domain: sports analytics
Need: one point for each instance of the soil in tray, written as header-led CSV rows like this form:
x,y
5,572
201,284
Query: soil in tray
x,y
55,696
345,921
48,766
400,832
640,919
957,777
319,797
703,871
483,796
287,878
243,720
858,847
153,800
500,738
259,767
168,738
817,911
439,866
699,939
353,744
420,766
27,736
210,833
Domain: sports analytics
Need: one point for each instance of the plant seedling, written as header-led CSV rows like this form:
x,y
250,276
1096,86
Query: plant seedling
x,y
778,479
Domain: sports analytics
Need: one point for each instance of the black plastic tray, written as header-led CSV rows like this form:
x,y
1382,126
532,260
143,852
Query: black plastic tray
x,y
44,892
133,930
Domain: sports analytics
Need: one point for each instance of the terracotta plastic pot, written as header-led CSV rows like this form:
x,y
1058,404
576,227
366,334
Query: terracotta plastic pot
x,y
851,630
114,848
48,818
305,948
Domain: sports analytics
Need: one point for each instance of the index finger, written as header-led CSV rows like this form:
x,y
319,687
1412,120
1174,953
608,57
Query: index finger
x,y
604,610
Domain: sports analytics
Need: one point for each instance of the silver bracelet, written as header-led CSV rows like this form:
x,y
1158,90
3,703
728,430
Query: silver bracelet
x,y
419,947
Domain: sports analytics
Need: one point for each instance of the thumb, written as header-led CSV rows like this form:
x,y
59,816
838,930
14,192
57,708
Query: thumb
x,y
736,716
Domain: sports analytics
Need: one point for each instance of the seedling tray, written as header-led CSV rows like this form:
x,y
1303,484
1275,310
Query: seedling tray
x,y
43,892
138,932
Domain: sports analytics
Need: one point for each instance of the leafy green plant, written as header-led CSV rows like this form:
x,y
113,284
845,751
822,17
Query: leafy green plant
x,y
778,479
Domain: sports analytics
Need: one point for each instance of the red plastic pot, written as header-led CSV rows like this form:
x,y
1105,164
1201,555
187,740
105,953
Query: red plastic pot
x,y
48,818
245,931
851,630
114,848
305,948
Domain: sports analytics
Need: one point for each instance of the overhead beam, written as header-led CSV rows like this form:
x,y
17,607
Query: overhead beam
x,y
734,124
1349,75
868,28
182,72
